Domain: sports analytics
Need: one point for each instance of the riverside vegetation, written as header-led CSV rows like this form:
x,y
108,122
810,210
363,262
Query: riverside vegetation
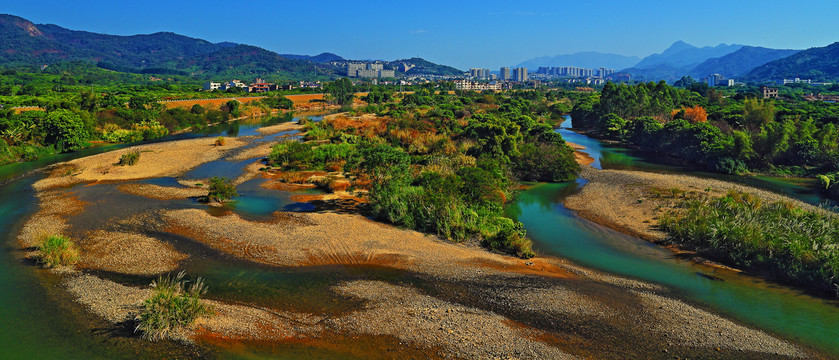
x,y
733,133
72,104
57,250
794,244
175,305
441,163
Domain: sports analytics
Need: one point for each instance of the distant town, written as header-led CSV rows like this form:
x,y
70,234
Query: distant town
x,y
476,79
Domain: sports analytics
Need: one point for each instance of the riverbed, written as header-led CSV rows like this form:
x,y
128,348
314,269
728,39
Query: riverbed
x,y
410,308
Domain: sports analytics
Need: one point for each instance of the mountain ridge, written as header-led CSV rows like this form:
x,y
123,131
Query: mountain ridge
x,y
584,59
816,63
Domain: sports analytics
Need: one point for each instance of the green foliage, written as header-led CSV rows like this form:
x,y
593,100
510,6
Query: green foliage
x,y
547,162
65,130
757,112
129,158
291,155
612,126
57,250
221,189
277,101
341,91
797,245
174,306
496,136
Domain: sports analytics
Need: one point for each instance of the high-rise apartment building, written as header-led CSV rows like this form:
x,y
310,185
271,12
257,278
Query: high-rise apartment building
x,y
520,74
505,73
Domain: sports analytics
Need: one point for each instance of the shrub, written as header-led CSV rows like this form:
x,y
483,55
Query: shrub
x,y
57,250
220,141
795,245
221,189
291,155
129,158
173,306
548,162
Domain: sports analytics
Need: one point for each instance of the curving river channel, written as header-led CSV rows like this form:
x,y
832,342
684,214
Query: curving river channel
x,y
35,325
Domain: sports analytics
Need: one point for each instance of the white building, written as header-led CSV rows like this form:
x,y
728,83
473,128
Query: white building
x,y
210,86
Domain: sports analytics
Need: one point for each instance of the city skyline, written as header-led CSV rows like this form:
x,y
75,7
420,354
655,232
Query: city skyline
x,y
490,34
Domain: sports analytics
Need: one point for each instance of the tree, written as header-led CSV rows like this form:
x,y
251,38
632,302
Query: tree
x,y
684,82
277,101
65,130
612,126
757,112
142,102
232,107
696,114
341,91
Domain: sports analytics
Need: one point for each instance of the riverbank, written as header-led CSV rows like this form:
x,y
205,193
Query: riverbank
x,y
455,299
632,201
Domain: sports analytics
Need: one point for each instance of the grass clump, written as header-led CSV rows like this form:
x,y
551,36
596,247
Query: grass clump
x,y
129,158
796,245
220,141
221,190
175,305
57,250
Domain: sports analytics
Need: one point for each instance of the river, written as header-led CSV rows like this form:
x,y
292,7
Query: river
x,y
37,326
778,309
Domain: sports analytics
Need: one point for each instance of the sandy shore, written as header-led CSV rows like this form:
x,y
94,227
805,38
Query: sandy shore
x,y
128,253
632,201
288,126
156,160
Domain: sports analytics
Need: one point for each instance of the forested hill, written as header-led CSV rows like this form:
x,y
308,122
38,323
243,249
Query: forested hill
x,y
821,63
21,41
739,62
25,43
422,66
249,61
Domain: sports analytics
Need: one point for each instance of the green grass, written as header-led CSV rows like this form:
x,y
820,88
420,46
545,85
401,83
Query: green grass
x,y
129,158
175,305
57,250
793,244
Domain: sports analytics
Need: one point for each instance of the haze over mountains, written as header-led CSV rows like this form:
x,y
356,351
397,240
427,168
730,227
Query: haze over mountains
x,y
586,59
752,63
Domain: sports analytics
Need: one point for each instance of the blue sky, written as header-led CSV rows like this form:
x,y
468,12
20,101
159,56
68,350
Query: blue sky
x,y
463,34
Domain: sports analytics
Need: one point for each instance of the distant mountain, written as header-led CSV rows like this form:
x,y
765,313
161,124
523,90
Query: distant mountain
x,y
588,59
664,72
820,63
676,61
22,42
419,66
248,61
684,55
322,58
739,62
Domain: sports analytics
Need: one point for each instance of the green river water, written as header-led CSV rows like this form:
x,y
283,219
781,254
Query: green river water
x,y
37,325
